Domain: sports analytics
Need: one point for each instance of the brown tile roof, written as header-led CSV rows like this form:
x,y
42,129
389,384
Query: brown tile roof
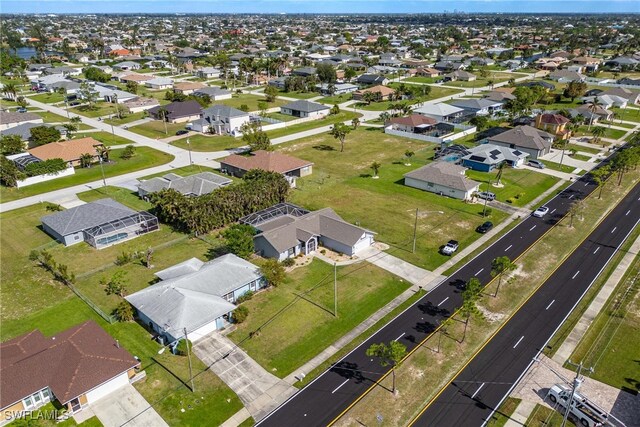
x,y
70,363
553,119
66,150
188,85
382,90
413,120
136,77
272,161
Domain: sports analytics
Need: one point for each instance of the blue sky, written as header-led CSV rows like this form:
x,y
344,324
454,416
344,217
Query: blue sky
x,y
316,6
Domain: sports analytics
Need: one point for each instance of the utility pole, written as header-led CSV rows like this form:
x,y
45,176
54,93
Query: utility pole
x,y
484,210
576,384
100,160
335,289
189,145
189,356
415,232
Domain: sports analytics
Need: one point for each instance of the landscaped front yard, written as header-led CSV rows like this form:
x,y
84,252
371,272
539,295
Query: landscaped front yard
x,y
520,185
332,119
105,137
128,118
48,97
342,181
202,142
156,129
98,109
144,158
308,326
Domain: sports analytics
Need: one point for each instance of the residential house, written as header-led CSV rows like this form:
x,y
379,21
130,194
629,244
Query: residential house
x,y
23,130
272,161
592,114
285,231
442,112
159,83
427,72
191,186
527,139
214,93
127,66
632,96
415,123
76,368
304,72
221,120
64,71
555,124
208,73
177,112
70,151
566,76
137,105
136,78
336,89
101,223
9,119
629,81
622,63
279,82
195,296
372,80
606,101
588,64
382,93
448,66
487,157
460,75
303,109
478,107
187,88
444,178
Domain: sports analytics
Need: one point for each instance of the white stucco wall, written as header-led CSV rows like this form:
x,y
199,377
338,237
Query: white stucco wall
x,y
436,188
107,388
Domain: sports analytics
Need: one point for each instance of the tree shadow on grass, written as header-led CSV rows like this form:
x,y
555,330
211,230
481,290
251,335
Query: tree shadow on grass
x,y
324,147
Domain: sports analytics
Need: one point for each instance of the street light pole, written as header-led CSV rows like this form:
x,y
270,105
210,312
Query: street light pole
x,y
189,145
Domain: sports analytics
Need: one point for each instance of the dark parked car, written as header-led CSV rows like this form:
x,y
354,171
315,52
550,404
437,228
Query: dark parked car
x,y
182,132
483,228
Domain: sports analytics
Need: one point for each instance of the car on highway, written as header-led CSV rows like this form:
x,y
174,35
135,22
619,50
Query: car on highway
x,y
486,195
450,247
536,164
182,132
484,227
540,212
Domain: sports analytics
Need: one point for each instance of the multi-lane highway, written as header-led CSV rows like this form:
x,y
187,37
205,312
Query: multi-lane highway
x,y
479,388
336,390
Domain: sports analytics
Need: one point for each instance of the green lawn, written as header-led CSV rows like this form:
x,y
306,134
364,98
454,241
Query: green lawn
x,y
496,77
502,415
49,117
209,142
156,129
436,92
99,109
611,342
251,101
336,99
626,114
144,158
616,122
298,95
521,186
307,327
609,133
343,182
48,98
420,79
281,117
105,137
584,149
556,166
300,127
126,119
122,195
547,417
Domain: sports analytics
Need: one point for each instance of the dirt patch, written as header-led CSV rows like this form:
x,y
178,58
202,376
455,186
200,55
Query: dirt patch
x,y
334,256
490,315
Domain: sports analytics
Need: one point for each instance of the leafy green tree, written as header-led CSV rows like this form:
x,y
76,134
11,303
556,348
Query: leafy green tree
x,y
470,297
132,87
240,314
87,93
574,89
375,166
48,166
355,123
41,135
326,73
340,132
124,312
85,160
128,152
601,176
70,128
349,74
9,173
116,284
239,240
273,272
334,110
500,266
96,74
389,354
598,132
255,137
270,92
11,144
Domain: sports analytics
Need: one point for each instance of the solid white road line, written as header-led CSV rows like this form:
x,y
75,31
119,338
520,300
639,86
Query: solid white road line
x,y
521,338
576,275
479,388
550,304
509,247
614,229
531,229
571,197
479,271
443,301
628,212
597,249
401,335
552,212
337,388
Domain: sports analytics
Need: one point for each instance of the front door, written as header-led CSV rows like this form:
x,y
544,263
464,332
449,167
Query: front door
x,y
311,246
75,405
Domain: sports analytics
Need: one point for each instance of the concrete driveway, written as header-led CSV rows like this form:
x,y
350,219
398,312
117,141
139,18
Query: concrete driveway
x,y
126,406
259,390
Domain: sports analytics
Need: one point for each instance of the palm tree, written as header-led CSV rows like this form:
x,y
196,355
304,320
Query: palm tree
x,y
600,176
375,166
10,91
85,160
598,132
408,154
593,108
500,266
340,132
162,112
355,123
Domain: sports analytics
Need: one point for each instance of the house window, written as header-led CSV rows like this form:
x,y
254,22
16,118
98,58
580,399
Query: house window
x,y
291,252
429,184
228,297
252,286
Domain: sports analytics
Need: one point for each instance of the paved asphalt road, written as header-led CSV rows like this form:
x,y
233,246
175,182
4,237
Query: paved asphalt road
x,y
329,395
481,386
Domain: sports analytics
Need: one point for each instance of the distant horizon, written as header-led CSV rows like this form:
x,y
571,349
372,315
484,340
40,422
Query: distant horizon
x,y
325,7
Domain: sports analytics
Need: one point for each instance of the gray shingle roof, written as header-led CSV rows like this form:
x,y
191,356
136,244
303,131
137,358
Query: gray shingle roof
x,y
190,294
305,106
222,111
86,216
197,184
525,137
444,173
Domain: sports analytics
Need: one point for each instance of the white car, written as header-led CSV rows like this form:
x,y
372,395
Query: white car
x,y
540,212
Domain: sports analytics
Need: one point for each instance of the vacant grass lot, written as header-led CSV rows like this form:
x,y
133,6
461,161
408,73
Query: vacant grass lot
x,y
49,117
343,181
610,345
251,101
495,77
436,92
48,98
209,142
420,79
144,158
626,114
156,129
520,185
300,127
105,137
99,109
298,95
336,99
308,326
126,119
609,133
